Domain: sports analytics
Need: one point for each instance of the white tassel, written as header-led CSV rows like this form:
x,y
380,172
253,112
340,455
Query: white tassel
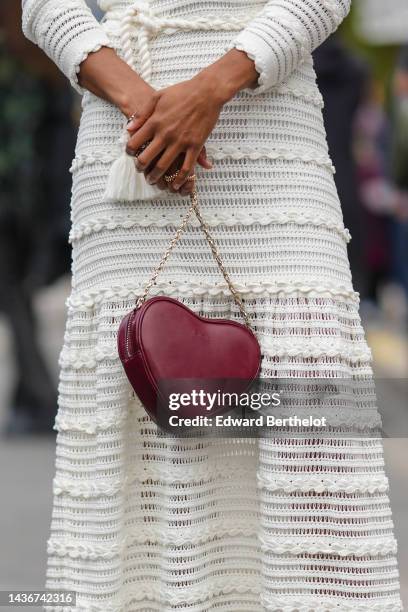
x,y
125,183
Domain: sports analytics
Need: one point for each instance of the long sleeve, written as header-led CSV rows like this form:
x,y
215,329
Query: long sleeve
x,y
65,30
286,32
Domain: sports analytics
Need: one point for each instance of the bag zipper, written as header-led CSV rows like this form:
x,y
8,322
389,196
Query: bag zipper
x,y
129,323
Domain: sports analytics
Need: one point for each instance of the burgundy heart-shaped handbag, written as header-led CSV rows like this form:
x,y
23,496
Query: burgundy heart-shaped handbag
x,y
168,351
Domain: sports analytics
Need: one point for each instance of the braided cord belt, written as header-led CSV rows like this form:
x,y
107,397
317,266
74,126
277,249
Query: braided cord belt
x,y
140,19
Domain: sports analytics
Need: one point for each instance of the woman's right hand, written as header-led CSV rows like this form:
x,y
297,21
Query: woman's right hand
x,y
145,110
106,75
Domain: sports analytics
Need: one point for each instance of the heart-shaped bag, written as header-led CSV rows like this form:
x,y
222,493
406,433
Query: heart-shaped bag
x,y
170,354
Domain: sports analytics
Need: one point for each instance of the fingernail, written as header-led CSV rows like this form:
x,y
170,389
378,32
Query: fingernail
x,y
131,125
176,186
150,179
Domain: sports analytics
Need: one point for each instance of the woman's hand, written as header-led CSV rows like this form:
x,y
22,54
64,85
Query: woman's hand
x,y
189,185
183,117
177,119
109,77
146,108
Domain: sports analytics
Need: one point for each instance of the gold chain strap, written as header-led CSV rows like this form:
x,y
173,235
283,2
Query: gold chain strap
x,y
195,208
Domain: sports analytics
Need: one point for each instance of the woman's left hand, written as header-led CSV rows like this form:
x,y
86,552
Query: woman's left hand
x,y
184,116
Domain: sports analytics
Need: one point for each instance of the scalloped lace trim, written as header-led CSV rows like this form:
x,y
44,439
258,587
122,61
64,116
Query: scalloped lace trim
x,y
185,474
95,423
89,299
86,490
155,604
379,547
172,474
314,348
288,604
195,593
288,607
246,151
281,347
220,152
88,159
348,484
304,93
342,547
89,425
283,604
240,217
222,529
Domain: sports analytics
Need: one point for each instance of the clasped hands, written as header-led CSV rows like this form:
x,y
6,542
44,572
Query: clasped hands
x,y
174,123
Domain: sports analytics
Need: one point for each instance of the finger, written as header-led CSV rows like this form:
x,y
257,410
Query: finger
x,y
151,164
136,122
203,160
186,169
142,135
161,184
163,164
187,188
174,167
149,155
140,116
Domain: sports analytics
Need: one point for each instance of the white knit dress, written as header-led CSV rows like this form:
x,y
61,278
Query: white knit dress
x,y
142,522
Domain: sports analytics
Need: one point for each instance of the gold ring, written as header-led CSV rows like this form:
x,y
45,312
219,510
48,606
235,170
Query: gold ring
x,y
131,117
170,177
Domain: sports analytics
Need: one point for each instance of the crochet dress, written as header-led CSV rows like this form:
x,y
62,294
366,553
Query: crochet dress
x,y
145,522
